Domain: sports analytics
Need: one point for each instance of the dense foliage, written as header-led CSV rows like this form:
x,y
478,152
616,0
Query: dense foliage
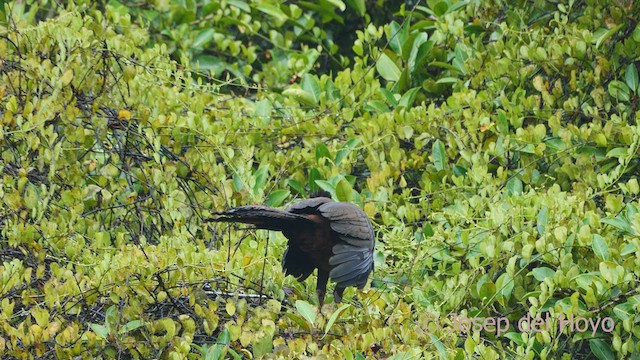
x,y
494,145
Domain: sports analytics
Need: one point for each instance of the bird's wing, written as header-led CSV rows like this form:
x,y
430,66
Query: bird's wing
x,y
352,258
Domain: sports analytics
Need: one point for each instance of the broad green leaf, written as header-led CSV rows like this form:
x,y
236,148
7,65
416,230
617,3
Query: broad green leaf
x,y
238,184
628,249
300,95
542,273
619,91
419,51
376,106
314,175
631,77
310,85
514,186
397,35
387,68
327,186
276,198
427,230
263,110
131,325
407,99
541,223
211,63
516,337
344,191
240,4
358,6
624,311
600,247
100,330
502,124
262,346
295,185
322,151
274,11
439,155
298,320
504,287
442,350
601,35
260,177
619,223
346,149
487,290
389,96
601,349
307,311
203,38
338,3
336,314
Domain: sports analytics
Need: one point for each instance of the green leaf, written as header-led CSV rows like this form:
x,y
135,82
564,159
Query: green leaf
x,y
407,99
203,37
601,35
397,36
389,96
487,290
100,330
307,311
346,149
338,3
502,124
619,223
358,6
376,106
300,95
295,185
514,186
439,155
263,110
314,175
327,186
542,220
242,5
262,346
276,198
504,286
600,247
310,85
624,311
419,51
209,63
628,249
542,273
619,91
279,17
322,151
442,350
631,77
336,314
601,349
298,320
131,325
516,337
344,191
427,230
260,177
387,68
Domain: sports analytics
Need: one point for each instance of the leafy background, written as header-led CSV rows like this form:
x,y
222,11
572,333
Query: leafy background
x,y
494,144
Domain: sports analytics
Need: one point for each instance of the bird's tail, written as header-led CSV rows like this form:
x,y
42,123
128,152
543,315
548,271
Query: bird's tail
x,y
263,217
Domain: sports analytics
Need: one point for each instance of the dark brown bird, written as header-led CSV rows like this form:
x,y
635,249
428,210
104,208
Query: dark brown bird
x,y
335,237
